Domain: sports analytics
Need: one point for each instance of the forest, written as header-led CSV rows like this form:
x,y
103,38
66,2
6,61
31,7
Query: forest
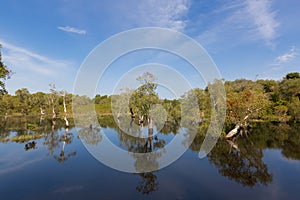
x,y
267,100
246,100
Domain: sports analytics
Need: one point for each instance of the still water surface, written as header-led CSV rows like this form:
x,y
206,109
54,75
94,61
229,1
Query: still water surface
x,y
38,161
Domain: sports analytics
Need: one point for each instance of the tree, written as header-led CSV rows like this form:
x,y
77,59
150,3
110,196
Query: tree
x,y
5,74
39,100
289,88
292,75
294,109
245,99
144,97
97,99
24,104
63,93
53,100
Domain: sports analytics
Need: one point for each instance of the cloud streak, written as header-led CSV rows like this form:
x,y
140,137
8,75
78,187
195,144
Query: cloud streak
x,y
72,30
263,17
167,14
245,21
287,56
22,59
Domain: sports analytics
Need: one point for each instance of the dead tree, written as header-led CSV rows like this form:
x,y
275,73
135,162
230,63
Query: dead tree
x,y
53,93
63,93
242,126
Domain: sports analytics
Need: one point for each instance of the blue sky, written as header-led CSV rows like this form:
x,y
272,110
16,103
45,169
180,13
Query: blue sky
x,y
46,41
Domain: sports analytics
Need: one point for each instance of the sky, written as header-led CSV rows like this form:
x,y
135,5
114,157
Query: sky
x,y
45,42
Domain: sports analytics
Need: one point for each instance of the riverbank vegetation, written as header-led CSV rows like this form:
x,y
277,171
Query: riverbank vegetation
x,y
246,100
261,100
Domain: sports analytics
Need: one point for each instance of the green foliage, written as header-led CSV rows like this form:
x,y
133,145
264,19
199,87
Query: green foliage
x,y
145,96
292,75
173,109
294,110
245,98
5,74
289,88
259,100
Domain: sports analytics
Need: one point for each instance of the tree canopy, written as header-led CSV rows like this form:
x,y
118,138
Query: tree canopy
x,y
268,100
5,74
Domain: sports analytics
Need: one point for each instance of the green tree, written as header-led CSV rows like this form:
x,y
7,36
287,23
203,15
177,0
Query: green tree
x,y
5,74
145,96
97,99
289,88
292,75
294,109
245,99
24,103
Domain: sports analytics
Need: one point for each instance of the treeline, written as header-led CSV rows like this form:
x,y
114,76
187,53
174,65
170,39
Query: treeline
x,y
23,103
265,100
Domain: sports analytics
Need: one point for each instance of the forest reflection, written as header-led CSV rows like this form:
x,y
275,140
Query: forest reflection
x,y
240,159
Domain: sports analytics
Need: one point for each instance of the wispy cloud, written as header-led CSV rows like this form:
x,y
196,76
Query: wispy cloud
x,y
132,14
24,59
72,30
168,13
263,17
290,55
244,21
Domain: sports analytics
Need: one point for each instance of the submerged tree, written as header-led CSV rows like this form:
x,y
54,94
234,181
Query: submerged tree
x,y
144,97
53,99
63,93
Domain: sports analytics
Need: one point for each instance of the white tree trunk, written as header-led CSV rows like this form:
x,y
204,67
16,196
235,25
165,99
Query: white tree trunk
x,y
233,132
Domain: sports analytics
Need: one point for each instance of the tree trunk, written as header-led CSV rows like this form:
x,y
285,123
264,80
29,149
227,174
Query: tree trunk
x,y
53,109
132,113
233,132
141,119
65,110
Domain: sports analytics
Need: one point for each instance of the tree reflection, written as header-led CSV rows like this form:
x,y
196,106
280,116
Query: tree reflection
x,y
146,162
90,135
291,146
148,183
66,138
241,161
52,139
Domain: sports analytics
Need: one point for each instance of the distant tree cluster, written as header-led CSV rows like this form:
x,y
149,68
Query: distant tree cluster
x,y
247,100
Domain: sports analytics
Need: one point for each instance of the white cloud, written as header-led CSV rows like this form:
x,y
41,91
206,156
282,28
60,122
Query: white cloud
x,y
36,71
130,14
22,59
245,21
72,30
263,17
168,13
287,56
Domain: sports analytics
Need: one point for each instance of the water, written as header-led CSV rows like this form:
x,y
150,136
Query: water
x,y
38,162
